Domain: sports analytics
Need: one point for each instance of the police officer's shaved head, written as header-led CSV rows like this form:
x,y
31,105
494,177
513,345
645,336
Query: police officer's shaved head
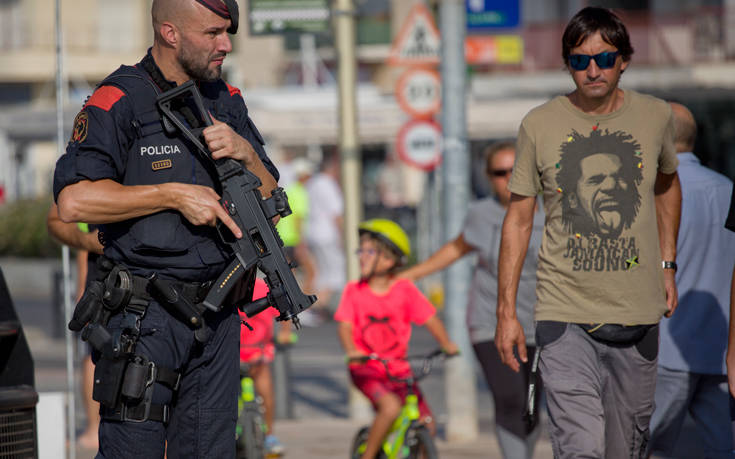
x,y
685,128
173,11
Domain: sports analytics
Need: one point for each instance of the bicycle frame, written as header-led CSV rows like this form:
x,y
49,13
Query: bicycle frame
x,y
409,415
247,392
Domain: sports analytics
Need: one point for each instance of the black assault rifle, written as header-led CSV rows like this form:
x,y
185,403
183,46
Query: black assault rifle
x,y
260,245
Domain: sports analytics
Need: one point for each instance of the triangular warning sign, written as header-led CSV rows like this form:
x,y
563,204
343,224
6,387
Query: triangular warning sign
x,y
418,41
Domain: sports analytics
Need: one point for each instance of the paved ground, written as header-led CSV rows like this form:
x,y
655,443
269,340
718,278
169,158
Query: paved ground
x,y
320,428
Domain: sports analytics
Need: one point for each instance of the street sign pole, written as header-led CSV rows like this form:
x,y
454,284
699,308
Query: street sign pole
x,y
460,387
344,18
66,266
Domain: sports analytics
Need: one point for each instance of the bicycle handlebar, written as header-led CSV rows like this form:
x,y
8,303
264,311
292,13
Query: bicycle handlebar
x,y
427,363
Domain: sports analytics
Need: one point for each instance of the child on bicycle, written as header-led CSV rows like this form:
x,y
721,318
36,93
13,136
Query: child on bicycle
x,y
375,316
258,350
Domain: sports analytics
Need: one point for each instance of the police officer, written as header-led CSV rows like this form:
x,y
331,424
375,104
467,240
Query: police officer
x,y
164,389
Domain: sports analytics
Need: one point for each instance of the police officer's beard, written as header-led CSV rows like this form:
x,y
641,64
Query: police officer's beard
x,y
197,67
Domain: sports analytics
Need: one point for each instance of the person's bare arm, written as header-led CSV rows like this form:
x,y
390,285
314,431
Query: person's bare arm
x,y
284,335
81,273
668,212
437,330
445,256
344,331
70,234
106,201
516,235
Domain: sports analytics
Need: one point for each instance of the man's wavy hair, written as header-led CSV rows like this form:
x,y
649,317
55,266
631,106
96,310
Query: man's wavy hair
x,y
579,147
593,19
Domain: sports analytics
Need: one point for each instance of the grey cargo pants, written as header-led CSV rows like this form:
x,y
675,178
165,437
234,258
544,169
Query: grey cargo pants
x,y
600,396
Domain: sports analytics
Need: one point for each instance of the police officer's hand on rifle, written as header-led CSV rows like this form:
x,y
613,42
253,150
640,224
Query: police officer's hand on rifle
x,y
200,205
224,142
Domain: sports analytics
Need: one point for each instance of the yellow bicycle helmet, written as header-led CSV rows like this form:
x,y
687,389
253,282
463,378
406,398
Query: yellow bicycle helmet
x,y
389,232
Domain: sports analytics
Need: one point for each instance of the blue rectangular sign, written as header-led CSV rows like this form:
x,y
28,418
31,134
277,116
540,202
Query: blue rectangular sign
x,y
493,14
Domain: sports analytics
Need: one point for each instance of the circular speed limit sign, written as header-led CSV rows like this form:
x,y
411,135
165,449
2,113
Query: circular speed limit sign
x,y
419,92
420,144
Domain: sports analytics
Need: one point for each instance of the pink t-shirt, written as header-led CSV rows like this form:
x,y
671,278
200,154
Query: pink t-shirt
x,y
260,339
381,324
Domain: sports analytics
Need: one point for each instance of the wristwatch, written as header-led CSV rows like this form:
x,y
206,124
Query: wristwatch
x,y
669,265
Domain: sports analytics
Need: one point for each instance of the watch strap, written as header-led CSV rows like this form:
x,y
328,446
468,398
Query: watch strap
x,y
669,265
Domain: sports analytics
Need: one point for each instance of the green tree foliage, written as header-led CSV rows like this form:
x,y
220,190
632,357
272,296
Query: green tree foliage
x,y
23,230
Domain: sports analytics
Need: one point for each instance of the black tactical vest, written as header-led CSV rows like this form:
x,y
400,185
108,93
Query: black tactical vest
x,y
165,242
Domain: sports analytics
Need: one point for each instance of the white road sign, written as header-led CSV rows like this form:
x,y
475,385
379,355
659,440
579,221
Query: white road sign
x,y
419,92
420,144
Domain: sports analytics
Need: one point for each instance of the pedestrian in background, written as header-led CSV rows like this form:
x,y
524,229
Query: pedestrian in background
x,y
691,365
292,228
605,161
89,248
324,238
257,351
481,235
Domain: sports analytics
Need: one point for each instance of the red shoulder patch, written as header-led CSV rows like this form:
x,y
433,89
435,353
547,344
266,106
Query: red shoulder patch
x,y
105,97
233,90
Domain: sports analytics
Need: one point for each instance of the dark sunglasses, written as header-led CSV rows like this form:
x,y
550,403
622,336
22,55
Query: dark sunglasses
x,y
501,172
604,60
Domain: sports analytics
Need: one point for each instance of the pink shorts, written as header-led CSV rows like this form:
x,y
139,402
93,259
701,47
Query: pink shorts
x,y
264,353
374,383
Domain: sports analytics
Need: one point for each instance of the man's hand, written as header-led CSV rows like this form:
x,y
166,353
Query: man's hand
x,y
672,296
223,142
508,336
450,348
200,205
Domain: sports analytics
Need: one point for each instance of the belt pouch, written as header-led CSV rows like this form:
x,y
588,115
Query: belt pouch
x,y
108,377
623,335
135,380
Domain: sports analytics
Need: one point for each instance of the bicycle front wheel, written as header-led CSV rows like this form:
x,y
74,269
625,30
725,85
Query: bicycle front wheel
x,y
421,444
251,442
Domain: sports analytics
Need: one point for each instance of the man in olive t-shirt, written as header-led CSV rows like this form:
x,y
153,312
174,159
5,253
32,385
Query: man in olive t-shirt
x,y
605,161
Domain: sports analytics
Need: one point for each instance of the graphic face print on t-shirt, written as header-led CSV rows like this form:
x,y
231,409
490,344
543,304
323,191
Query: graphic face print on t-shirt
x,y
598,178
379,335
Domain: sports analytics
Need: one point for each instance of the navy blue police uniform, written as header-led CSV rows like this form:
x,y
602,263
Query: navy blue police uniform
x,y
119,135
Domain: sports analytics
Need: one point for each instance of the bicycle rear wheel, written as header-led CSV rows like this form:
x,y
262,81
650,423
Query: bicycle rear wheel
x,y
358,443
251,442
421,444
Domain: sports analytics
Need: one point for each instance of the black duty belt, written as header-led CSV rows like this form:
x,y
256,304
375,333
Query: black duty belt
x,y
194,292
182,299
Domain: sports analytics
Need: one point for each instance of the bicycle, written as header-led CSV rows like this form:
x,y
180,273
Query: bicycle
x,y
251,428
407,437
